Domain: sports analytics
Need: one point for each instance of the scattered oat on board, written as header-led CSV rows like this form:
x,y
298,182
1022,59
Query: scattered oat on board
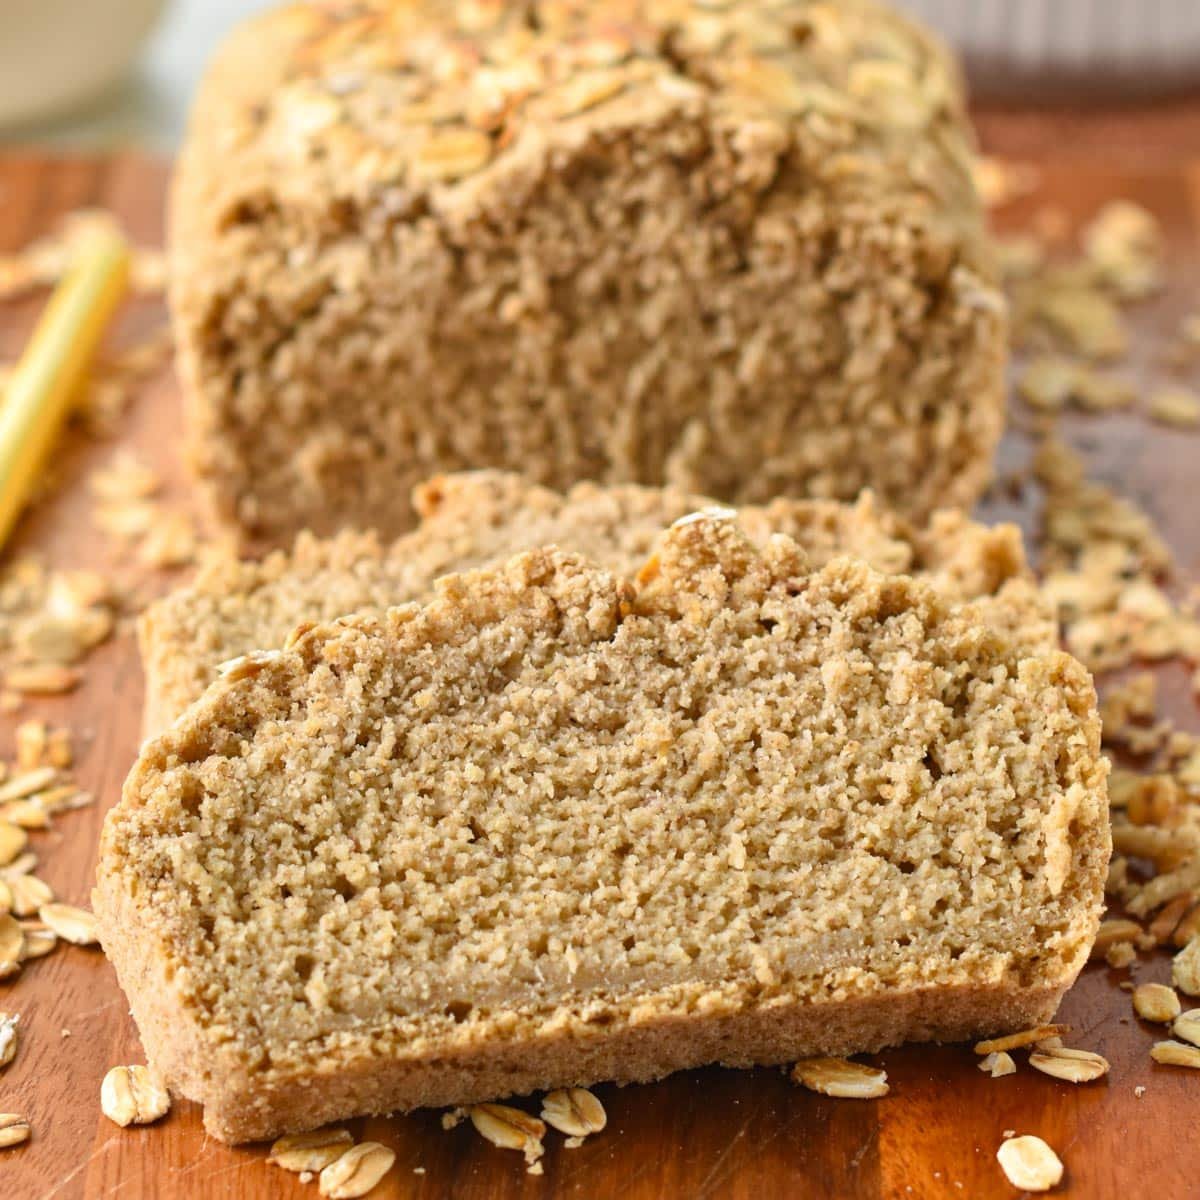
x,y
116,379
997,1064
310,1151
1187,1026
1124,247
356,1171
841,1077
1188,929
574,1111
13,840
14,1129
1156,1002
171,541
48,621
1177,407
1162,928
1026,1037
125,477
39,940
72,924
28,783
1176,1054
12,945
24,894
1051,383
1185,968
1000,181
8,1037
509,1128
45,261
1073,1066
133,1096
43,679
25,813
1120,956
1112,932
1028,1163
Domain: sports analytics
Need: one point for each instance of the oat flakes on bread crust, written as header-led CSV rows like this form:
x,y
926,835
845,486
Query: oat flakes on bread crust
x,y
732,247
553,827
481,518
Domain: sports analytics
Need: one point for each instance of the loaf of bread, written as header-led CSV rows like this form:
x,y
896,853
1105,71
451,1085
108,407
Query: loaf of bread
x,y
483,517
552,828
733,247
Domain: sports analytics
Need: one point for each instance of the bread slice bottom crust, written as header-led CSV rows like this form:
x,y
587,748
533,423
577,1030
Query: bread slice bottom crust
x,y
240,1106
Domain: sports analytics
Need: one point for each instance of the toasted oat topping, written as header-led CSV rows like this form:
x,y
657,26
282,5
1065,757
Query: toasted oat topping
x,y
461,88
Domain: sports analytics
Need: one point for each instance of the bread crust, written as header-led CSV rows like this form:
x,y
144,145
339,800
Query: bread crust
x,y
757,267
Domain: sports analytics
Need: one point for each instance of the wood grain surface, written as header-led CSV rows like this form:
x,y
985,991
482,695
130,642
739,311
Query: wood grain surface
x,y
702,1134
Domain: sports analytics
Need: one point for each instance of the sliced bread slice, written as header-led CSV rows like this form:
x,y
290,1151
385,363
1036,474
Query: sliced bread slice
x,y
484,517
553,828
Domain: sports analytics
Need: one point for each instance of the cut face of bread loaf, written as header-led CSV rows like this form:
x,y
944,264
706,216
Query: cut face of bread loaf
x,y
735,248
552,828
484,517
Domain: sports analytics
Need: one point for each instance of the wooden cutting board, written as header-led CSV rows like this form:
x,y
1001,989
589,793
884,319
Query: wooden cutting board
x,y
712,1133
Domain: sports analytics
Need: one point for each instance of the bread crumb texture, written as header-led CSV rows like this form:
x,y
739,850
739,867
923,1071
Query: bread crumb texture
x,y
482,518
552,827
732,247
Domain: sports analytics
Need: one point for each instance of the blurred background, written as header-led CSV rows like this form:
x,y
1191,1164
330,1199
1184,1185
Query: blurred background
x,y
99,73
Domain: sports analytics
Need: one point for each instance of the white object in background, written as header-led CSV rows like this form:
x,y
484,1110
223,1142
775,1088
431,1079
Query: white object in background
x,y
55,54
1066,47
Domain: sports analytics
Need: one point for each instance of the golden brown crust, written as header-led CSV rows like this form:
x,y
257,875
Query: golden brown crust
x,y
552,827
751,262
482,517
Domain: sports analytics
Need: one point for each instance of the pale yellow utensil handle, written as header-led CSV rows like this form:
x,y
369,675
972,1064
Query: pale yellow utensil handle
x,y
54,365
